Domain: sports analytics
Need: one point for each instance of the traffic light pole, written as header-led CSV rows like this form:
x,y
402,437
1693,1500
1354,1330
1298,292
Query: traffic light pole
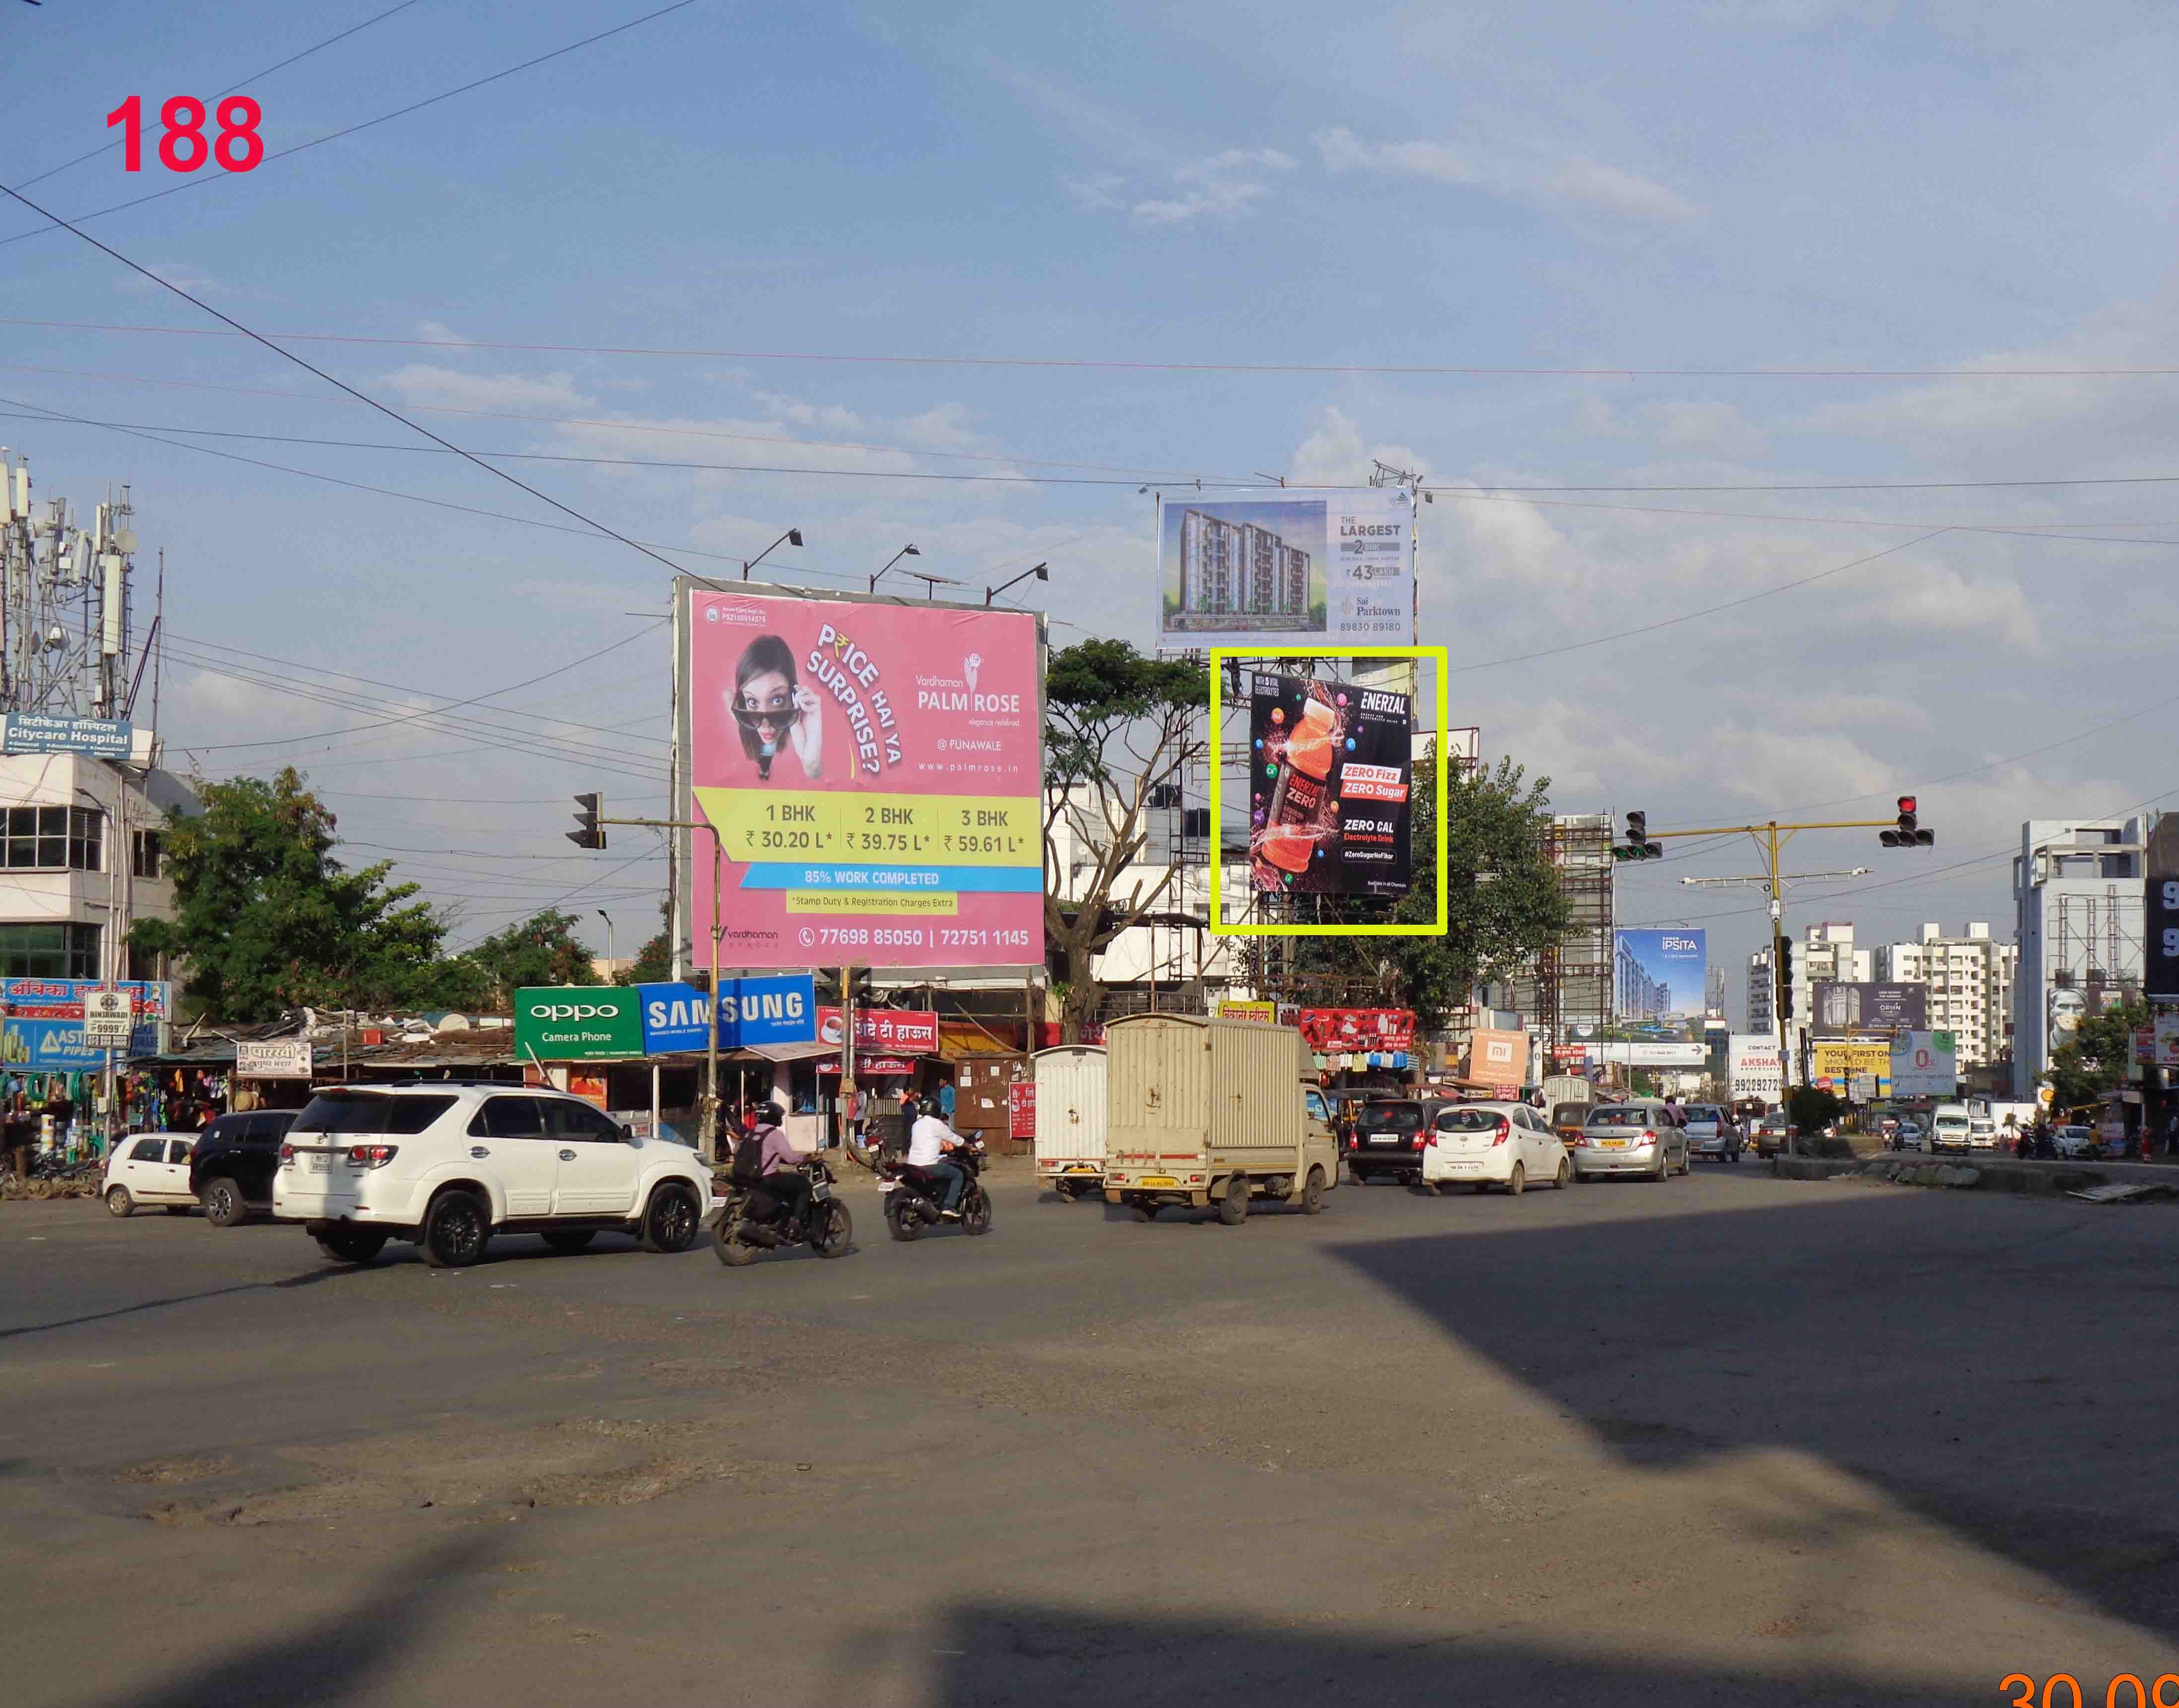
x,y
707,1119
1771,837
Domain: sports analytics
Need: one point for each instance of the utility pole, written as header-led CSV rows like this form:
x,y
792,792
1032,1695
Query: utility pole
x,y
1643,843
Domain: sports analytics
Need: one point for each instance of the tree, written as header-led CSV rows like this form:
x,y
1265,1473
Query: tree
x,y
1118,727
653,963
2097,1056
540,950
1503,903
265,919
1811,1109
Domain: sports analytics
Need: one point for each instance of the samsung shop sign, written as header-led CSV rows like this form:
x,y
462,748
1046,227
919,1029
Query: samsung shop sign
x,y
776,1010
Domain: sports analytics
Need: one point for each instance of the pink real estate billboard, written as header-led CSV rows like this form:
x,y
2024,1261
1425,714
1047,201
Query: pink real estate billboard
x,y
874,774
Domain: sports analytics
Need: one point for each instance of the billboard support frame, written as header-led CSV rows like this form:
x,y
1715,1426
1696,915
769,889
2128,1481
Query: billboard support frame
x,y
1218,655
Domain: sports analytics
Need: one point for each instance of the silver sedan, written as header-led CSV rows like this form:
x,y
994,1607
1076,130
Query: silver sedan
x,y
1638,1138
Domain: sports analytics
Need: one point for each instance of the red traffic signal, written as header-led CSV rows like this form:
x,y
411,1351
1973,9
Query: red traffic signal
x,y
1907,804
1908,835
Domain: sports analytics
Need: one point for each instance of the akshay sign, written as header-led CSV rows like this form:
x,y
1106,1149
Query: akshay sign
x,y
1329,767
875,771
1335,565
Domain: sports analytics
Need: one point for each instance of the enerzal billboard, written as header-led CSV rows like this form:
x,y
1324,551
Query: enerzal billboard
x,y
1330,769
1659,974
41,1022
875,774
1293,568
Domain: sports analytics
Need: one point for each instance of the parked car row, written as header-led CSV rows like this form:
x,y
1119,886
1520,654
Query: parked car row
x,y
446,1165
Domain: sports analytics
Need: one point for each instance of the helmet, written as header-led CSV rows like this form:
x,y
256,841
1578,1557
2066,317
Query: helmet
x,y
930,1106
771,1115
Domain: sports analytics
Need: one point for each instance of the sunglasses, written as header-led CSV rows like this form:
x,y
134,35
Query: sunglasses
x,y
779,711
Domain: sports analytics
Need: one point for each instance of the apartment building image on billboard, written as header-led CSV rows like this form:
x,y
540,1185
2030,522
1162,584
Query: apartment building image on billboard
x,y
1234,566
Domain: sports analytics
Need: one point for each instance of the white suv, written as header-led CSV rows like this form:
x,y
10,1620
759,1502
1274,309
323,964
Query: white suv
x,y
448,1165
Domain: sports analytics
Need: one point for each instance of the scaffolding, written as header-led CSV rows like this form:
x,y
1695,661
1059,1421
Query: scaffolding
x,y
1572,983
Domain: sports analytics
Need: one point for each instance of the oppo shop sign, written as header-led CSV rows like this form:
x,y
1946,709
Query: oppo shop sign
x,y
577,1022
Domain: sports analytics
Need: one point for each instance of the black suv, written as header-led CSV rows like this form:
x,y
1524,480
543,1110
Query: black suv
x,y
1385,1138
231,1169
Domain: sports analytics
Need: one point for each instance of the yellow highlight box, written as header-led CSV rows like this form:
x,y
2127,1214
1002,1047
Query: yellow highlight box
x,y
954,830
1244,655
947,902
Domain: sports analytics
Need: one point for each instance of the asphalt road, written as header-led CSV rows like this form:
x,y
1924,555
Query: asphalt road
x,y
1726,1439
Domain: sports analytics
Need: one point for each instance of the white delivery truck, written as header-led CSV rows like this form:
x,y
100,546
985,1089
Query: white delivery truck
x,y
1202,1112
1070,1117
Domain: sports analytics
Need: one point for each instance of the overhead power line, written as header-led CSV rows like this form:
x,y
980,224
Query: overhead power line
x,y
1096,364
254,77
391,414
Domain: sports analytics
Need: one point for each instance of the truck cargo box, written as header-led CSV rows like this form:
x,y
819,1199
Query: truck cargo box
x,y
1070,1117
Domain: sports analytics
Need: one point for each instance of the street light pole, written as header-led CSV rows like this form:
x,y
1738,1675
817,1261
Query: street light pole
x,y
607,918
793,536
1042,572
904,551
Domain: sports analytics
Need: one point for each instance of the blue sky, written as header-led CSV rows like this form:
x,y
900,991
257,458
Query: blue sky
x,y
1953,188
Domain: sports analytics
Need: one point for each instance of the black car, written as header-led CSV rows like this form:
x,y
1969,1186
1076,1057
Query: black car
x,y
1384,1140
231,1169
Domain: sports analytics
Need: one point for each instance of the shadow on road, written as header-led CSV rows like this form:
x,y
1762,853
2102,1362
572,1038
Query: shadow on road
x,y
2007,1387
341,1657
1059,1658
308,1277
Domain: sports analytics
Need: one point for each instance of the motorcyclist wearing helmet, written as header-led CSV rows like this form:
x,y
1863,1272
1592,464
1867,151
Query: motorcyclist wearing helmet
x,y
781,1163
928,1142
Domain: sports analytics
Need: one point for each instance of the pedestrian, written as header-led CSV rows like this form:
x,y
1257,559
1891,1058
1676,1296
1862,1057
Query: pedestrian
x,y
17,1132
946,1097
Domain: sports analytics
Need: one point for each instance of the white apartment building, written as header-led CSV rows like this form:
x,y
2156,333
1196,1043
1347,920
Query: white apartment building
x,y
2076,888
1826,955
1762,993
82,841
1969,979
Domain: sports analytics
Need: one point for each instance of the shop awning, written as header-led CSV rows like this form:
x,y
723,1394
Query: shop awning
x,y
784,1053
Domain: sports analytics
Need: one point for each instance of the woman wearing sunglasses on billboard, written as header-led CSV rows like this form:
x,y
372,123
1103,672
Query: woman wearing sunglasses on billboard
x,y
772,710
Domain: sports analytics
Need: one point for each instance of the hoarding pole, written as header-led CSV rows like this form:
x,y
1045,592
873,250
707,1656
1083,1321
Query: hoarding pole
x,y
707,1124
847,1045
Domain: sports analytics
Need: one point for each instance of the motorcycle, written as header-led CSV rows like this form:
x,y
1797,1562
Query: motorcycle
x,y
912,1196
753,1220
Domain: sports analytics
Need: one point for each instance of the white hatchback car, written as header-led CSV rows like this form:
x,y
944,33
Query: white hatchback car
x,y
448,1165
150,1168
1485,1145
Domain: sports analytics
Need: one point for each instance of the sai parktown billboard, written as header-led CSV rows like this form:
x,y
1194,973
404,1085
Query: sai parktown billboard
x,y
874,770
1658,975
1330,769
1336,565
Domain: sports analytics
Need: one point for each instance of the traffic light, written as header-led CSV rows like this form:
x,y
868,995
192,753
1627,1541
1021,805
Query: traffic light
x,y
1907,836
1638,845
592,834
1785,979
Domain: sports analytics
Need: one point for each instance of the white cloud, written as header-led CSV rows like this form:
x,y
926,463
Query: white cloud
x,y
1705,427
439,332
1100,192
1552,180
1222,185
182,275
423,382
1337,455
833,417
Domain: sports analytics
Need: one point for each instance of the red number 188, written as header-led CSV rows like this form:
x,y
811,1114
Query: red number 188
x,y
182,146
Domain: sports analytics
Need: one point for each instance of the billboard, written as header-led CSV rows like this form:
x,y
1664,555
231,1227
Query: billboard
x,y
776,1010
1336,565
1832,1067
1924,1064
874,772
1343,1031
1753,1067
41,1022
1329,767
1840,1008
2159,936
1657,976
1499,1060
577,1022
34,731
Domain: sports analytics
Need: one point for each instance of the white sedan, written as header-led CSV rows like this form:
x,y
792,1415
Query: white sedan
x,y
1485,1145
150,1168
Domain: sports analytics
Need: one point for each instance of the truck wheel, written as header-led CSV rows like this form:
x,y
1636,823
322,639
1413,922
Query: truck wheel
x,y
1233,1207
1312,1194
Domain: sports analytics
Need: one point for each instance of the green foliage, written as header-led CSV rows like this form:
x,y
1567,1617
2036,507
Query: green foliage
x,y
267,919
653,963
540,950
1503,903
2097,1056
1117,725
1812,1109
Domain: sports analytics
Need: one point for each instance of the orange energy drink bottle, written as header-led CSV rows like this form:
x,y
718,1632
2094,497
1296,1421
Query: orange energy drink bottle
x,y
1291,829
